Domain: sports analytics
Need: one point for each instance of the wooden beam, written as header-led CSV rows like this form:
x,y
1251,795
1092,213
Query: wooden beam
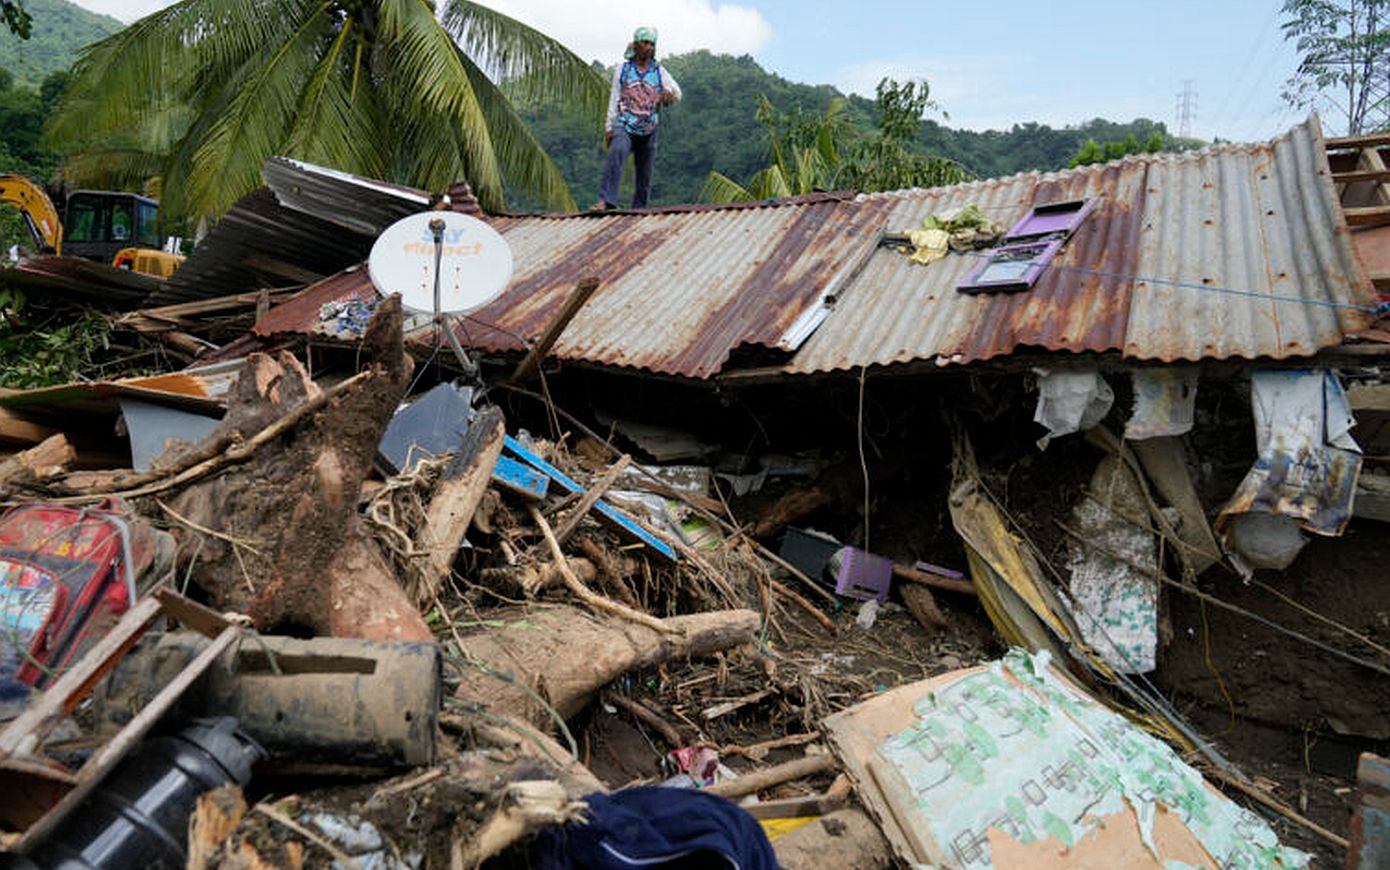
x,y
1370,140
1370,215
1361,175
163,317
581,294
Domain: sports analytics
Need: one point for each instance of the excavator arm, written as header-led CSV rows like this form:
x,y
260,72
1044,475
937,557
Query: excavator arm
x,y
38,210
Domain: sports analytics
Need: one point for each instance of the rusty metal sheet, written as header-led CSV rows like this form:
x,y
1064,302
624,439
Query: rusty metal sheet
x,y
680,290
1236,251
74,278
303,313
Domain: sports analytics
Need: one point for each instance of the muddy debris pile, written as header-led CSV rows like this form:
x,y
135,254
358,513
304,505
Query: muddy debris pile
x,y
287,620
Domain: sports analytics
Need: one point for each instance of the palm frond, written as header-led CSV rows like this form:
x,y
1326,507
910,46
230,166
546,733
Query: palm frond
x,y
113,168
720,189
542,67
418,158
339,122
770,183
257,121
520,155
425,77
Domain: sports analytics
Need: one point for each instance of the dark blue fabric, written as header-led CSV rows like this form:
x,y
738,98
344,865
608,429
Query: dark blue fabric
x,y
655,827
643,151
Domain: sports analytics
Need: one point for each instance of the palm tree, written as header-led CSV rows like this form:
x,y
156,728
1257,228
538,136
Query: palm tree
x,y
192,99
804,150
826,152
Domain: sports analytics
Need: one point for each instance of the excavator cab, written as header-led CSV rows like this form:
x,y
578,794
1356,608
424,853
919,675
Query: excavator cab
x,y
112,227
99,224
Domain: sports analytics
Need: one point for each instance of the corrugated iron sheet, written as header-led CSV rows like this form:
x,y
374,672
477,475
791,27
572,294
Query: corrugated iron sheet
x,y
82,280
1147,274
260,243
680,290
302,314
309,222
1230,252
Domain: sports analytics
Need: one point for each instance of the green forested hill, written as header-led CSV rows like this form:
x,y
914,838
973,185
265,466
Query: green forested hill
x,y
714,127
60,31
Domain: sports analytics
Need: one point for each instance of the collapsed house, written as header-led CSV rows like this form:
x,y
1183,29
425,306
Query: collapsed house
x,y
848,408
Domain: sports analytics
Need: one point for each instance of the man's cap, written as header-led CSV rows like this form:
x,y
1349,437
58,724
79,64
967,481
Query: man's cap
x,y
644,34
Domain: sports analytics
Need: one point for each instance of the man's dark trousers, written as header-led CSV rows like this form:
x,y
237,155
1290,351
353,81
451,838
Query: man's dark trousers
x,y
643,151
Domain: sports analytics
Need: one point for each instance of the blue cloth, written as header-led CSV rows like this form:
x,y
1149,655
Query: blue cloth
x,y
655,827
643,151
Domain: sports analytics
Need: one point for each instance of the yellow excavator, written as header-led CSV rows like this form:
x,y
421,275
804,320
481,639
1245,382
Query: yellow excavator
x,y
107,226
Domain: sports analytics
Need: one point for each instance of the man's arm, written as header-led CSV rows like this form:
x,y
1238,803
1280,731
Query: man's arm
x,y
670,89
613,100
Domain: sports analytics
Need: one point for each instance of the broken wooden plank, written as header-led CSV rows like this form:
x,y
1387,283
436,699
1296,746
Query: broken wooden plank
x,y
161,318
582,291
616,518
930,578
115,749
48,709
41,461
461,486
590,498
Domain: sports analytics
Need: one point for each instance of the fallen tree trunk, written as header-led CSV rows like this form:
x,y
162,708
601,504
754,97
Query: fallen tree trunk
x,y
278,536
757,780
456,496
565,654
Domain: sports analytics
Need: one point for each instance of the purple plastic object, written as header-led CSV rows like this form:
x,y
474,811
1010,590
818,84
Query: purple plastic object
x,y
1054,217
864,575
937,569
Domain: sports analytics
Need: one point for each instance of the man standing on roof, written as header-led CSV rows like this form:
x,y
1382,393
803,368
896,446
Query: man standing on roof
x,y
640,88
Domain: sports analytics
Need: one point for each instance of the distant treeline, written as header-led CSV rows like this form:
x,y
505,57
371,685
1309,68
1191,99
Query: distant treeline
x,y
714,128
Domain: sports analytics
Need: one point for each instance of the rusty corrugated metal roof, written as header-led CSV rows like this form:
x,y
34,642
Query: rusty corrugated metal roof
x,y
681,290
1187,257
1230,252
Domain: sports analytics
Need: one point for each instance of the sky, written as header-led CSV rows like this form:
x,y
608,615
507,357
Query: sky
x,y
989,64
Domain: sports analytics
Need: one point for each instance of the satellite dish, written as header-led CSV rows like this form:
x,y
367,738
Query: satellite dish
x,y
475,262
